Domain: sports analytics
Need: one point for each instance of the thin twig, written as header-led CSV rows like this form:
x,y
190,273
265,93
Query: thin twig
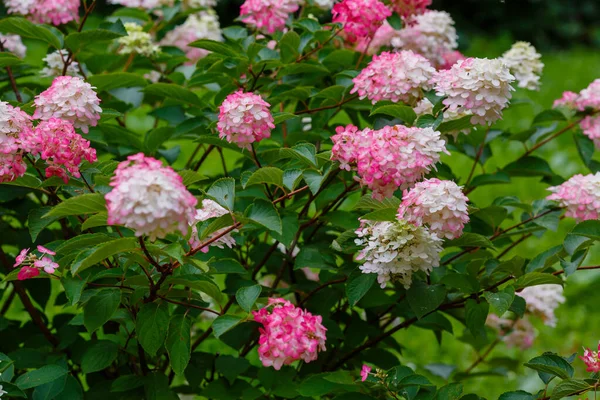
x,y
314,110
11,78
188,305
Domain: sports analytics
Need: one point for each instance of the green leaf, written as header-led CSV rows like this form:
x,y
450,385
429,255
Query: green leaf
x,y
305,152
313,179
589,229
83,204
103,251
518,395
73,288
265,214
475,316
231,367
99,356
500,301
125,383
215,47
268,175
423,299
100,308
469,239
50,390
395,21
45,374
174,92
151,326
452,391
569,388
246,296
537,278
178,343
456,125
404,113
77,40
585,147
197,282
156,137
190,177
288,45
280,117
96,220
549,116
226,266
357,287
26,29
367,202
8,59
223,192
291,177
529,166
224,323
81,241
552,365
36,222
106,82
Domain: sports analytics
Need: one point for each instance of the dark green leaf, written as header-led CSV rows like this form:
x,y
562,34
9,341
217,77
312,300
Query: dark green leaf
x,y
246,296
99,356
100,308
26,29
178,343
358,286
83,204
223,192
174,92
569,388
224,323
403,113
103,251
45,374
265,214
151,326
423,299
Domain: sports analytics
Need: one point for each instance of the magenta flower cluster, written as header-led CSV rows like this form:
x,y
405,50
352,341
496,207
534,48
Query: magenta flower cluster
x,y
268,16
588,99
289,333
360,18
56,12
31,264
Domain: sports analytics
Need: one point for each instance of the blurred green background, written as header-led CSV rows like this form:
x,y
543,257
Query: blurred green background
x,y
568,34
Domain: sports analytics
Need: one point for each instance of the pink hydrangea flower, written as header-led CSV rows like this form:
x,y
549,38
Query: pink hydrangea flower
x,y
520,333
392,158
56,12
12,167
580,195
589,97
44,250
590,127
46,264
210,209
14,125
288,334
568,99
383,37
408,8
22,7
591,360
21,257
268,16
450,58
244,118
61,147
28,273
364,372
401,76
360,18
441,205
149,198
478,85
71,99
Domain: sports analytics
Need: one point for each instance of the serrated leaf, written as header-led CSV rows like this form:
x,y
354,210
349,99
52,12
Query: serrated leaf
x,y
174,92
151,326
103,251
223,192
36,222
178,343
224,323
38,377
291,177
268,175
26,29
265,214
369,203
75,41
423,298
500,301
404,113
99,356
100,308
215,47
552,365
305,152
246,296
357,287
569,388
83,204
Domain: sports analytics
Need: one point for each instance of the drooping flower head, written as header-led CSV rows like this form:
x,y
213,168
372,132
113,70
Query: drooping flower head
x,y
202,25
137,41
364,372
149,198
244,118
542,300
591,360
56,12
288,334
360,18
396,250
31,263
431,35
519,333
580,195
63,149
12,167
14,125
388,159
210,209
69,98
401,76
268,16
478,85
55,63
524,62
14,44
409,8
440,205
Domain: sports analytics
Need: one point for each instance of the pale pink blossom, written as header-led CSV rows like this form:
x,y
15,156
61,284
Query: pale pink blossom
x,y
383,37
63,149
12,167
568,99
14,44
519,333
360,18
268,16
22,7
244,118
56,12
44,250
591,360
210,209
288,334
543,300
388,159
364,372
440,205
524,62
589,97
149,198
401,76
476,85
32,263
71,99
46,264
580,195
14,125
21,257
590,126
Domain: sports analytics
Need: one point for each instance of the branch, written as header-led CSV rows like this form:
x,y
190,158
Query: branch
x,y
314,110
477,158
188,305
11,77
318,289
578,269
557,134
319,47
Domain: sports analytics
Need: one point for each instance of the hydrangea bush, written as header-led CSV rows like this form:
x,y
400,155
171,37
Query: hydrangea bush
x,y
254,211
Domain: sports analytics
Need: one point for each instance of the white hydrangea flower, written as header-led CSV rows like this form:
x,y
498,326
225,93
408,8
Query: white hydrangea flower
x,y
145,4
22,7
542,300
54,65
137,41
524,62
14,44
2,392
193,4
432,35
210,209
324,4
396,250
14,125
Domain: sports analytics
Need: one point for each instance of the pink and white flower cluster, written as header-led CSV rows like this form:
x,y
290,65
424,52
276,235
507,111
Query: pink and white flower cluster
x,y
524,62
289,333
149,198
31,264
515,333
69,98
401,76
476,85
360,18
388,159
268,16
591,359
244,118
543,300
587,99
396,250
440,205
210,209
14,44
56,12
409,8
580,195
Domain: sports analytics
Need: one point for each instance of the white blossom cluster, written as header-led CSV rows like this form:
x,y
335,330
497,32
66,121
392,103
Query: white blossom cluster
x,y
542,300
14,44
210,209
55,63
137,41
524,62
